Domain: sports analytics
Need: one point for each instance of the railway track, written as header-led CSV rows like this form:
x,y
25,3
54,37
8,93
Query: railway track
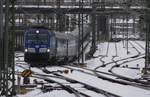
x,y
143,83
50,79
139,45
96,72
115,78
125,60
138,51
51,76
127,81
65,87
104,56
86,86
112,77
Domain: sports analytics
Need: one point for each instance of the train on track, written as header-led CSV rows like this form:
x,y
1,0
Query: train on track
x,y
44,47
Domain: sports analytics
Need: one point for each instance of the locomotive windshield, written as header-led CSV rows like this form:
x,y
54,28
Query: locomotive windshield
x,y
38,38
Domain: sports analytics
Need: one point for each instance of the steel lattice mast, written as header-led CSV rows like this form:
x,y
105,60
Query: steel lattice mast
x,y
1,43
7,62
147,60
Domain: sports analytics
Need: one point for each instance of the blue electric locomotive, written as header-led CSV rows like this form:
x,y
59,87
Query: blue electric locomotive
x,y
38,44
45,47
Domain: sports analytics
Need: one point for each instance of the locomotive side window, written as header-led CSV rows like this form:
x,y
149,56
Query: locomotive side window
x,y
53,42
60,43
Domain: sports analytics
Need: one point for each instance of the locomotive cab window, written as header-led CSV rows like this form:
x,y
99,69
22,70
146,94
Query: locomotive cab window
x,y
37,38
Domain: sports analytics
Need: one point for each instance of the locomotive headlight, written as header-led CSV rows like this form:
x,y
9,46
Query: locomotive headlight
x,y
37,31
26,50
48,50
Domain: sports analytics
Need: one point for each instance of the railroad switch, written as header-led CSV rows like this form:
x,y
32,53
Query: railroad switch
x,y
71,71
35,81
66,71
117,66
109,70
50,88
126,66
123,66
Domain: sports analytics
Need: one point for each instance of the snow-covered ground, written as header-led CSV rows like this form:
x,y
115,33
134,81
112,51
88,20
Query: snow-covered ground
x,y
106,51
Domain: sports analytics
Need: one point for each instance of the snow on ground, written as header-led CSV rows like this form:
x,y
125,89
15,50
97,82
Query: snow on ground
x,y
122,90
125,71
131,73
55,93
106,54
